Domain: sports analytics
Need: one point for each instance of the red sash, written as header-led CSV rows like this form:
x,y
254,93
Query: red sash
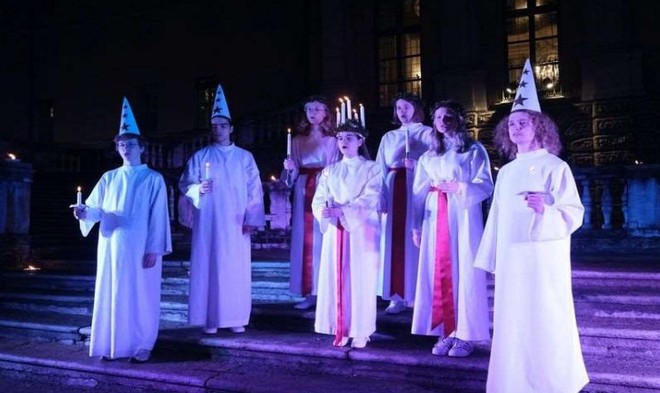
x,y
308,230
339,335
443,297
399,235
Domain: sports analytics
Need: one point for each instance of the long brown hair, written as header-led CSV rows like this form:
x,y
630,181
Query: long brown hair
x,y
327,125
412,99
465,141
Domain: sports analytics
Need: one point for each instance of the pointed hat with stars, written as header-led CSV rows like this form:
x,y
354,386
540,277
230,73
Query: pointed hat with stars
x,y
127,123
220,107
526,97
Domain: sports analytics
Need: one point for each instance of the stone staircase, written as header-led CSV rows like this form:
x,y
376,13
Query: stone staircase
x,y
617,307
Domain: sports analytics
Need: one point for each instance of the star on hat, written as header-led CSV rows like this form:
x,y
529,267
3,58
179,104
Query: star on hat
x,y
526,96
220,107
127,123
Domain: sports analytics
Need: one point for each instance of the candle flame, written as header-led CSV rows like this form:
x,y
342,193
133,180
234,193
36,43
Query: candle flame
x,y
346,98
273,178
208,164
79,188
12,156
360,105
31,268
288,130
340,100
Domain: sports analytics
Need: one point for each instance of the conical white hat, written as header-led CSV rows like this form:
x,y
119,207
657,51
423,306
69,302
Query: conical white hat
x,y
127,123
220,107
526,96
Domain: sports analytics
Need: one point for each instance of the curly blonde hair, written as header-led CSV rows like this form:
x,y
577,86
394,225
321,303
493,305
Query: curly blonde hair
x,y
546,134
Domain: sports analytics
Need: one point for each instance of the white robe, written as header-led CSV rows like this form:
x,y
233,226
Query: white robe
x,y
220,257
354,184
391,154
306,153
131,204
472,170
536,347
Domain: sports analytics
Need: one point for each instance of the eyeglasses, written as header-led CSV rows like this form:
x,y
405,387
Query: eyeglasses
x,y
122,145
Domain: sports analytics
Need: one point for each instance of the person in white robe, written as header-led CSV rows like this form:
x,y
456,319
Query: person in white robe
x,y
397,155
526,244
222,183
346,207
456,173
314,148
130,203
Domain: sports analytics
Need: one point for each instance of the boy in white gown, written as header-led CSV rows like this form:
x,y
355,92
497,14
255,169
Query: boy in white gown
x,y
222,183
130,203
346,206
527,244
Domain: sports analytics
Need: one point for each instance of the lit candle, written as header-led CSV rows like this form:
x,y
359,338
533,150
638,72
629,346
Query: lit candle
x,y
338,115
349,112
343,111
407,142
288,143
79,197
355,115
362,119
207,170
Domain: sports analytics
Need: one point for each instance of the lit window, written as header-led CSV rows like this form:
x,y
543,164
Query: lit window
x,y
532,32
399,49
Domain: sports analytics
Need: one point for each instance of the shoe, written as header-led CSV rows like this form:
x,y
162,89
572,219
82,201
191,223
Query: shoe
x,y
342,343
141,356
210,330
359,342
237,329
309,302
461,349
395,307
442,347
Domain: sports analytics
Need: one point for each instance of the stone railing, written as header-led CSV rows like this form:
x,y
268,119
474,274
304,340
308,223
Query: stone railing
x,y
621,198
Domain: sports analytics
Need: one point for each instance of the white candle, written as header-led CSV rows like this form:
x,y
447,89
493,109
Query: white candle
x,y
79,197
362,119
343,111
288,142
407,141
207,170
338,116
349,112
355,115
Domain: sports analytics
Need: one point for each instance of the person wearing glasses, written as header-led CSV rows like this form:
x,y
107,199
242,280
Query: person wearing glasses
x,y
222,183
130,203
312,149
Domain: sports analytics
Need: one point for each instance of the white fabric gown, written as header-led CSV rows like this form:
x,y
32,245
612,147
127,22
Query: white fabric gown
x,y
472,170
391,153
306,153
220,256
354,184
536,347
131,204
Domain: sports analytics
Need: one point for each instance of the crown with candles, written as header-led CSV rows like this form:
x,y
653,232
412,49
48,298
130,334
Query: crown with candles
x,y
345,112
353,126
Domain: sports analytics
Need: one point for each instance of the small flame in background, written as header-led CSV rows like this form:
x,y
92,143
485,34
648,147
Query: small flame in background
x,y
273,178
11,156
31,268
